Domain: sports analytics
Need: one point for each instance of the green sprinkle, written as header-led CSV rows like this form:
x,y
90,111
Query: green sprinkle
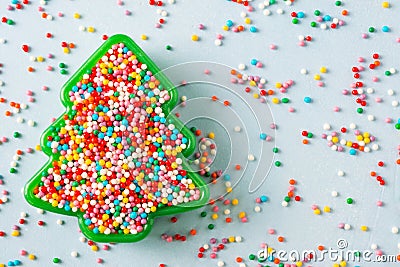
x,y
338,3
285,100
349,200
295,21
310,135
387,73
287,199
17,135
275,150
13,170
271,2
203,214
252,257
397,126
371,29
10,22
357,254
360,110
62,65
317,12
211,226
63,71
168,47
313,24
56,260
278,163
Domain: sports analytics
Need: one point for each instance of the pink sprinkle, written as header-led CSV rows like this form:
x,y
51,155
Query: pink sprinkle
x,y
341,225
263,245
60,14
320,84
106,247
99,260
201,26
29,92
233,80
291,109
353,85
361,68
301,43
23,252
40,9
283,90
341,22
128,13
375,79
259,65
379,203
220,36
45,88
314,207
269,138
271,231
206,71
244,220
357,132
272,46
29,150
398,39
345,92
378,100
324,136
336,109
215,209
31,99
379,252
213,255
361,59
10,8
319,19
258,200
120,2
364,36
158,25
340,149
272,126
49,68
290,82
262,100
388,120
250,8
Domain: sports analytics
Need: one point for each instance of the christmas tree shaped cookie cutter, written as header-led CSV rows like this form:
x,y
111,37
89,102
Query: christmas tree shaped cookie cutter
x,y
33,183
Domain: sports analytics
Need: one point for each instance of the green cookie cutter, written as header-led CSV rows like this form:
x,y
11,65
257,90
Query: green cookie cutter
x,y
167,107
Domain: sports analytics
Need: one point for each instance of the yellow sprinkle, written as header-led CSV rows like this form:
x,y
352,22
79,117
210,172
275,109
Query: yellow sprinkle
x,y
327,209
231,239
336,265
229,189
211,135
317,77
252,83
66,50
323,69
91,29
143,37
275,100
225,28
235,201
317,211
247,20
278,85
195,38
242,214
335,139
214,216
299,264
40,59
77,16
343,264
95,248
2,265
31,257
256,96
366,134
385,4
364,228
38,148
15,233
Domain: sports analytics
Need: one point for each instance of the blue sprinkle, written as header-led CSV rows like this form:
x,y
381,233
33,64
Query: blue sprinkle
x,y
263,136
327,18
307,99
300,14
385,29
253,61
229,23
264,198
352,151
253,29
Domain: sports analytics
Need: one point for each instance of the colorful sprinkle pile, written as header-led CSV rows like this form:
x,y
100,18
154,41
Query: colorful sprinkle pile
x,y
118,154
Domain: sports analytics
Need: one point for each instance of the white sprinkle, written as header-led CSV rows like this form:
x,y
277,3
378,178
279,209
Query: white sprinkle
x,y
32,58
74,254
266,12
171,2
243,14
23,215
20,120
164,13
303,71
1,83
370,90
353,126
221,263
323,26
40,211
367,149
374,246
2,41
279,11
261,6
250,157
60,222
390,92
237,129
284,204
206,246
392,70
82,28
340,173
347,226
218,42
301,37
257,208
395,103
334,193
31,123
242,66
371,117
82,239
375,147
238,239
395,230
49,17
327,126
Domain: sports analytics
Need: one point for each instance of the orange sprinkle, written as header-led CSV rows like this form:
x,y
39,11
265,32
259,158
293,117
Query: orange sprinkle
x,y
233,72
292,181
239,259
305,141
239,75
71,45
193,232
31,69
240,28
398,257
320,247
290,194
227,103
44,15
214,98
8,113
398,161
228,220
373,174
237,167
377,63
270,92
277,260
345,12
281,239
